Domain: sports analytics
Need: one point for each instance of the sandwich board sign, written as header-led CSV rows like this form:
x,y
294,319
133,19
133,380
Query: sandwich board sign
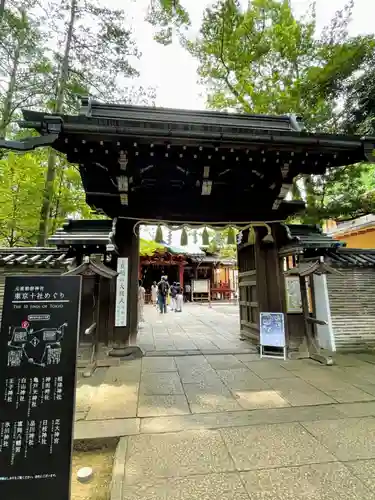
x,y
272,334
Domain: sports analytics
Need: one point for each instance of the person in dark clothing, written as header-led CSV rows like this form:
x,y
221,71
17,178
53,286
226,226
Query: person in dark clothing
x,y
163,288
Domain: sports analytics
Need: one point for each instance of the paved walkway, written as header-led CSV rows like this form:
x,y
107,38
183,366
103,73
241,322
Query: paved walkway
x,y
233,426
197,328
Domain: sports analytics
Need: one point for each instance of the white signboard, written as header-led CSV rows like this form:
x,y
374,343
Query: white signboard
x,y
201,286
122,291
272,329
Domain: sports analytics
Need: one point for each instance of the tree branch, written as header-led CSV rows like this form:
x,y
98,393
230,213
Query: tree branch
x,y
226,77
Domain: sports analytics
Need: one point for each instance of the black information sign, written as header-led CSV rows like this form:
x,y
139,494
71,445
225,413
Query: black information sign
x,y
38,354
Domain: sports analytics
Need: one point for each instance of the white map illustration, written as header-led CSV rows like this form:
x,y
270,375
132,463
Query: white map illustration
x,y
38,347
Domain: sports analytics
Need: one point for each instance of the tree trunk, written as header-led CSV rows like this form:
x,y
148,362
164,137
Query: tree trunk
x,y
6,118
57,211
51,169
2,8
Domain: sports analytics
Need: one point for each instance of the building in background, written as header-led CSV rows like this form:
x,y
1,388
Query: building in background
x,y
357,233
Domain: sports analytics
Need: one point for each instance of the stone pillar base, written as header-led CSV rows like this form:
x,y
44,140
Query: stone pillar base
x,y
128,352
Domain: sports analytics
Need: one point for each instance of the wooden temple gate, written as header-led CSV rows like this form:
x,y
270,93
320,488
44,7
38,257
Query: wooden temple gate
x,y
148,165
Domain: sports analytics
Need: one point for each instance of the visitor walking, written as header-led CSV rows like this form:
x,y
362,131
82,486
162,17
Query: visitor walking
x,y
154,293
187,292
173,296
163,288
179,298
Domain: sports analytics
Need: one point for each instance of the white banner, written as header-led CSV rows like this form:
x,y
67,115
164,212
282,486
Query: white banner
x,y
122,291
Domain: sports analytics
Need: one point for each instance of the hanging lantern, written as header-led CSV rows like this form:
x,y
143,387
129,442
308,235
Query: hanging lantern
x,y
231,239
251,237
205,238
159,235
184,238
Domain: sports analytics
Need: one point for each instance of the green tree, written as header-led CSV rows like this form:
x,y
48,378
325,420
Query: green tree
x,y
21,190
263,59
24,68
342,193
359,109
21,185
69,199
167,16
95,50
219,244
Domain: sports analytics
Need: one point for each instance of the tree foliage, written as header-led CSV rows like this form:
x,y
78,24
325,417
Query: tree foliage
x,y
21,190
95,46
263,59
149,247
21,184
359,115
166,16
219,244
258,59
24,68
73,48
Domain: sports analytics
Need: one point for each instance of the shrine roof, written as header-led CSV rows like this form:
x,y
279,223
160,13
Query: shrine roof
x,y
83,232
180,166
310,267
24,257
189,249
302,237
352,257
216,259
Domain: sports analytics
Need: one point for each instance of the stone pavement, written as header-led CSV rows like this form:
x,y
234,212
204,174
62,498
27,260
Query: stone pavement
x,y
233,426
197,328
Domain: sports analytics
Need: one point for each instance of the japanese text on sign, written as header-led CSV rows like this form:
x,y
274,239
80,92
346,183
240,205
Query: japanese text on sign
x,y
121,291
272,331
38,350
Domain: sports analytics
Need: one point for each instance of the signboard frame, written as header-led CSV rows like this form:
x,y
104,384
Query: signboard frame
x,y
122,284
293,295
38,359
207,290
274,319
198,282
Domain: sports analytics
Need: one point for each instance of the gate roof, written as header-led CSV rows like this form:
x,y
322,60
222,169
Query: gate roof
x,y
188,166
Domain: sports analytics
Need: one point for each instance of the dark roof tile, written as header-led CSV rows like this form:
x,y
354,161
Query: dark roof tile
x,y
352,257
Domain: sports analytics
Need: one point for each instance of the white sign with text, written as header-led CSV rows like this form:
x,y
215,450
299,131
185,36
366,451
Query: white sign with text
x,y
122,291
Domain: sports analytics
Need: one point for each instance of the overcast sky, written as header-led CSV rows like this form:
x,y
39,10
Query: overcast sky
x,y
172,71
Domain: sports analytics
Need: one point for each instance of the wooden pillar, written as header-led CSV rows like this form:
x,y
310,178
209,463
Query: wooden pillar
x,y
261,273
270,294
181,274
127,241
269,282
